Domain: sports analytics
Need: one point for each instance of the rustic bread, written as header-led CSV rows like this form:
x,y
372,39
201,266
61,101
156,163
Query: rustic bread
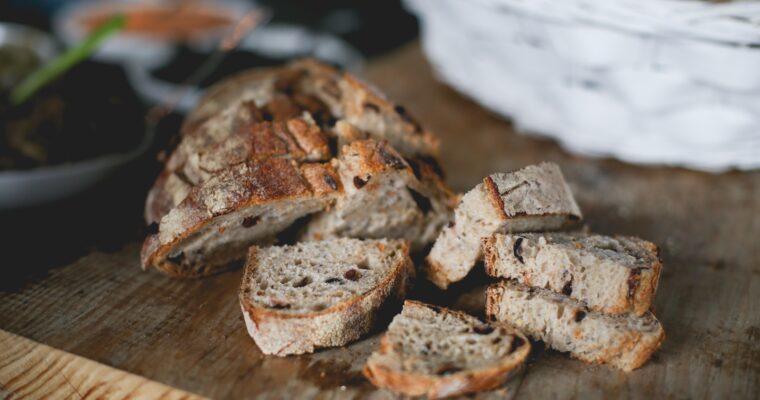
x,y
623,341
534,198
345,96
613,275
290,112
238,134
311,295
235,208
433,351
384,196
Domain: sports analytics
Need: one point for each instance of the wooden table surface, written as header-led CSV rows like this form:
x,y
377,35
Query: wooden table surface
x,y
190,334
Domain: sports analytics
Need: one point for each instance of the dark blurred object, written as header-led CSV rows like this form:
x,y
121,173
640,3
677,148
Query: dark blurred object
x,y
373,27
89,112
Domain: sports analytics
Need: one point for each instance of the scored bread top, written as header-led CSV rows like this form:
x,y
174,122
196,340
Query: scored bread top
x,y
313,277
288,112
242,186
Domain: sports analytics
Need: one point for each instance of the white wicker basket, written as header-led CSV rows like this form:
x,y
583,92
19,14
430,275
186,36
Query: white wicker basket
x,y
647,81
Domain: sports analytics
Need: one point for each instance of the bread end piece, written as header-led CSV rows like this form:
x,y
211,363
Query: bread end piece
x,y
625,342
418,369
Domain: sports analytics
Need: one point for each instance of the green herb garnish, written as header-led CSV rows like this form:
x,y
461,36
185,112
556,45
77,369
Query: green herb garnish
x,y
73,56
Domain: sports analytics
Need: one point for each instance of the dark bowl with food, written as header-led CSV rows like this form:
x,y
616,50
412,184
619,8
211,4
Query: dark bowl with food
x,y
68,136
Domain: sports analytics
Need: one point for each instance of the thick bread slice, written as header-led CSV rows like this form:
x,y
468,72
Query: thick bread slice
x,y
384,197
613,275
623,341
433,351
246,204
534,198
311,295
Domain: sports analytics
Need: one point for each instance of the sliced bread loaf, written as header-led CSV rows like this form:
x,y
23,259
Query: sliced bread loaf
x,y
384,196
623,341
299,298
243,132
433,351
613,275
534,198
235,208
288,112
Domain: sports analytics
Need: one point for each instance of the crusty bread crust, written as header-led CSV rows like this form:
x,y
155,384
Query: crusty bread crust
x,y
536,198
386,196
247,185
631,350
288,92
436,386
624,289
334,326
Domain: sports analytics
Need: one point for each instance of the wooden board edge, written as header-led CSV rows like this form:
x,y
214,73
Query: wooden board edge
x,y
33,370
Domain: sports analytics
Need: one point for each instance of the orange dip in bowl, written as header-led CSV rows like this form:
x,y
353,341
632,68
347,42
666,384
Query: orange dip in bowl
x,y
165,22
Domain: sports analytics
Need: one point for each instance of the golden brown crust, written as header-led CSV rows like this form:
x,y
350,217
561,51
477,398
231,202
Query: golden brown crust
x,y
334,326
376,156
283,94
647,284
323,178
436,273
645,353
493,195
359,98
489,255
245,185
631,354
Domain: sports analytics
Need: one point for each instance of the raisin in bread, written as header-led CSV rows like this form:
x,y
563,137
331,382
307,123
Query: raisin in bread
x,y
311,295
249,203
384,196
613,275
623,341
433,351
534,198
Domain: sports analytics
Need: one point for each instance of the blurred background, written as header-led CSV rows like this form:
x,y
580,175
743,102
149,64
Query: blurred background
x,y
89,102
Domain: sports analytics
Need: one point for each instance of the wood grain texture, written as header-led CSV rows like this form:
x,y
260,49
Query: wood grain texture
x,y
190,334
31,370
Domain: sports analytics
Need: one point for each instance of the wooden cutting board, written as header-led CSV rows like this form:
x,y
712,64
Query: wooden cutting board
x,y
190,334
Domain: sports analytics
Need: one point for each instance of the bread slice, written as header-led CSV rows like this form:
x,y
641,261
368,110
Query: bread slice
x,y
246,204
385,196
613,275
534,198
433,351
623,341
311,295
